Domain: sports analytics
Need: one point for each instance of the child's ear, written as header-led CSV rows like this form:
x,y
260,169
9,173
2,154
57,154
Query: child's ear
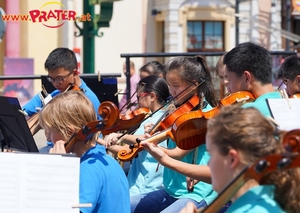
x,y
247,76
152,94
298,79
233,158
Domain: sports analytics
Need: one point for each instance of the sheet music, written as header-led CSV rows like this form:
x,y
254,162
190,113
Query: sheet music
x,y
38,183
286,112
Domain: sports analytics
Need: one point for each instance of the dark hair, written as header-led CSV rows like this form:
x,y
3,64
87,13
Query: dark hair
x,y
234,128
290,68
250,57
61,58
153,68
193,69
154,83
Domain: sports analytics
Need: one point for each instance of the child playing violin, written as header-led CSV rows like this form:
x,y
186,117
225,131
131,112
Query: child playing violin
x,y
144,174
242,141
62,68
102,180
289,73
181,73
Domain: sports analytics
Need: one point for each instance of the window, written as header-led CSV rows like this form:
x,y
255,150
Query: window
x,y
205,36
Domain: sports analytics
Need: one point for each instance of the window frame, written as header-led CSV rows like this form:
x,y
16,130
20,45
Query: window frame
x,y
203,36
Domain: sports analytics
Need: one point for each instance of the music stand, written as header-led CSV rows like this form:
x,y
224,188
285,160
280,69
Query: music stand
x,y
14,130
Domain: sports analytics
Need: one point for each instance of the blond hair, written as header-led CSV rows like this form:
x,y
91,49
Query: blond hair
x,y
67,112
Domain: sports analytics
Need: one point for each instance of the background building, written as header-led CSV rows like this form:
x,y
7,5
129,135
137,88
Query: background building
x,y
149,26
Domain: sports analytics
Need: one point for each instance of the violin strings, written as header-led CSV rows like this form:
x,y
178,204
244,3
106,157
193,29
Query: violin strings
x,y
129,101
132,129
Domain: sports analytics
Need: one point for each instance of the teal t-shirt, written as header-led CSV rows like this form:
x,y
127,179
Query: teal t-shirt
x,y
257,199
261,103
143,176
175,183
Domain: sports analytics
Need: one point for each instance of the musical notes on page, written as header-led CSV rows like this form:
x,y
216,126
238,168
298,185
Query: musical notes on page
x,y
286,113
38,183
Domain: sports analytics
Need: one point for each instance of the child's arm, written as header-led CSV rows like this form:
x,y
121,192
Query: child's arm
x,y
198,172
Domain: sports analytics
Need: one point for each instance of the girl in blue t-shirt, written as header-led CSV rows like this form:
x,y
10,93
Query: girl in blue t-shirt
x,y
187,77
144,173
238,137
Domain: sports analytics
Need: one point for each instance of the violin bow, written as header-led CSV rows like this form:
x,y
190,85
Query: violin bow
x,y
128,102
135,127
172,105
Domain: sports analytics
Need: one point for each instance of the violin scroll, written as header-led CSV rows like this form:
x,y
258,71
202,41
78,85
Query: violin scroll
x,y
124,156
85,133
108,112
291,140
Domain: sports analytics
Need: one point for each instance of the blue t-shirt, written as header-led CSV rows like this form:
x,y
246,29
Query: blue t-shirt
x,y
142,175
257,199
30,107
261,103
102,183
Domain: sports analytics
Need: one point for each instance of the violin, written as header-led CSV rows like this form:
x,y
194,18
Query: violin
x,y
87,131
125,122
33,121
297,95
238,97
123,155
108,112
192,124
170,119
259,169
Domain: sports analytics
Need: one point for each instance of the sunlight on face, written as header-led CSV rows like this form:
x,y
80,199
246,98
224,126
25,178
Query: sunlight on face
x,y
234,82
68,78
176,86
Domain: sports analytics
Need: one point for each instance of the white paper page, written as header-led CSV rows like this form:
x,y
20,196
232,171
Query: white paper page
x,y
10,182
286,112
46,183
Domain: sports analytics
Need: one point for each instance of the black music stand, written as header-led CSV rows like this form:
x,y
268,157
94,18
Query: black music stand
x,y
105,89
14,130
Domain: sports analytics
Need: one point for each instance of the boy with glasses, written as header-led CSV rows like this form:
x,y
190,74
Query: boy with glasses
x,y
62,69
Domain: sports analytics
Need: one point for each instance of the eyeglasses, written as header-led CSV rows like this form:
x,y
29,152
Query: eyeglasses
x,y
141,95
58,79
